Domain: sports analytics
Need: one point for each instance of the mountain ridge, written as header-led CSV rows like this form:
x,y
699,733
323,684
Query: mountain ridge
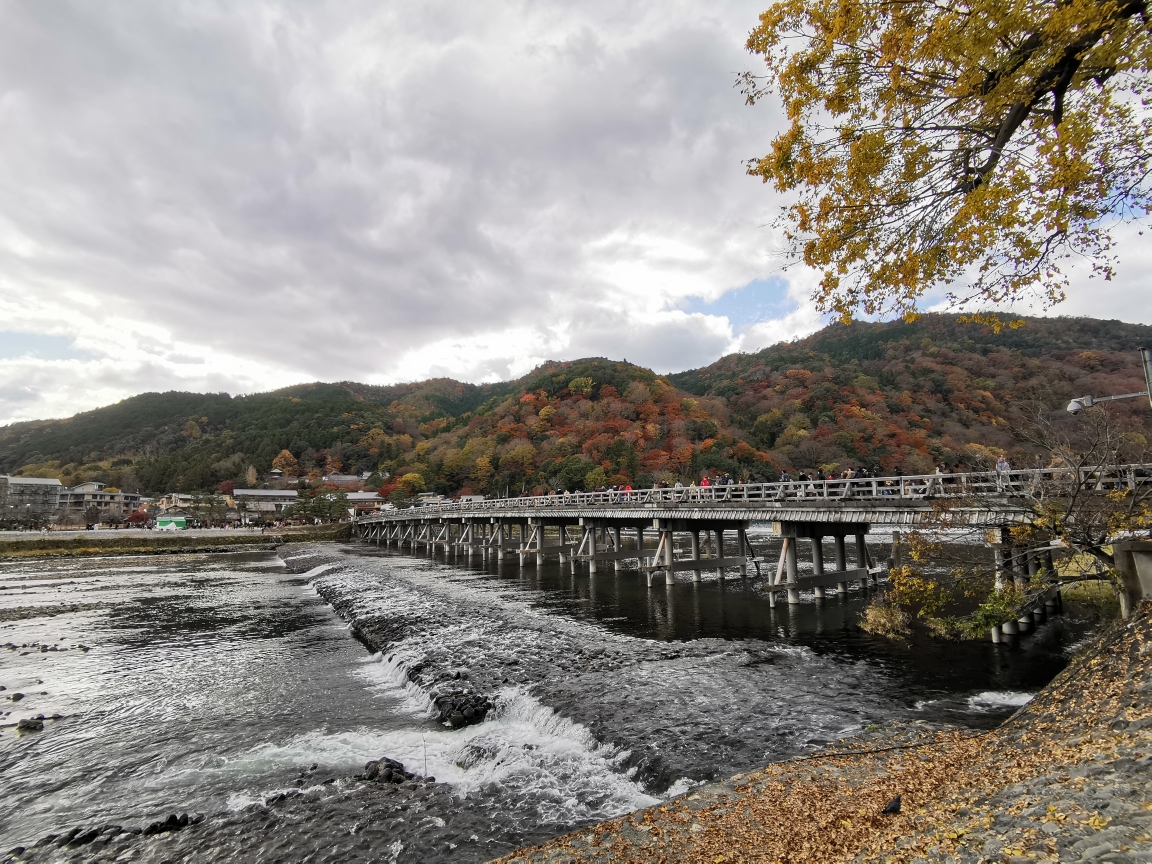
x,y
889,396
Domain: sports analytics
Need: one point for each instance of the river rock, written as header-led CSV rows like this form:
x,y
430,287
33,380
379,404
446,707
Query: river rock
x,y
461,708
386,770
173,823
30,724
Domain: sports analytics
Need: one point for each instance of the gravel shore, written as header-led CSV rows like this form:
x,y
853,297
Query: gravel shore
x,y
1067,778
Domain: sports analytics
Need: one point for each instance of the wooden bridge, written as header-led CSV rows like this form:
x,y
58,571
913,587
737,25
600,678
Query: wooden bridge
x,y
708,525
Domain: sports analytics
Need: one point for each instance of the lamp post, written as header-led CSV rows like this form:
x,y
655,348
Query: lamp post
x,y
1081,402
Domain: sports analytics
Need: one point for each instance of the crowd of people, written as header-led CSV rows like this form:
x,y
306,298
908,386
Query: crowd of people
x,y
891,482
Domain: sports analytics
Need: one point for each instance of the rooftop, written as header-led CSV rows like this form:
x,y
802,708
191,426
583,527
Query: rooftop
x,y
31,481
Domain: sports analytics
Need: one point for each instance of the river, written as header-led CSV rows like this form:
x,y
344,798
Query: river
x,y
226,687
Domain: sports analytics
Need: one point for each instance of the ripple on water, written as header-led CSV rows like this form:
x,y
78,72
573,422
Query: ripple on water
x,y
217,682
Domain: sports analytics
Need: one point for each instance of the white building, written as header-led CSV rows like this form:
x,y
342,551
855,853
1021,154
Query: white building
x,y
364,502
111,504
28,499
263,501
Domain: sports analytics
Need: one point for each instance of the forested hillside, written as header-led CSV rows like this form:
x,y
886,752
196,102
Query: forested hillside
x,y
894,396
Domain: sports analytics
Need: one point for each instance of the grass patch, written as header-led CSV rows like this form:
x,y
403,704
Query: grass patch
x,y
1097,597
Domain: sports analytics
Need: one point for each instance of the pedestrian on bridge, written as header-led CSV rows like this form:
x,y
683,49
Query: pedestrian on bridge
x,y
1003,477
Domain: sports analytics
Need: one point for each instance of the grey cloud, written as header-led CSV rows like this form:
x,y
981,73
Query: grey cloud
x,y
320,171
314,190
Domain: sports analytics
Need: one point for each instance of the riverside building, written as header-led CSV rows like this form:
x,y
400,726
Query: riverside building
x,y
28,500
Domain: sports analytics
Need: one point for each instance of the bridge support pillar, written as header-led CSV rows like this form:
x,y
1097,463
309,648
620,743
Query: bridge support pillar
x,y
696,555
741,549
998,557
818,563
540,545
720,552
1009,628
862,557
1012,558
668,558
841,564
640,546
997,635
617,564
590,539
791,576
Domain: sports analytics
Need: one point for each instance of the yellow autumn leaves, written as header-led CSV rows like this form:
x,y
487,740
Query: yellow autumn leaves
x,y
977,144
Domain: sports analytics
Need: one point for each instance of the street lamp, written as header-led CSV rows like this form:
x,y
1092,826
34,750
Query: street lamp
x,y
1081,402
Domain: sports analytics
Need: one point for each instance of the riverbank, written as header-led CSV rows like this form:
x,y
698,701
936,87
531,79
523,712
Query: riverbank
x,y
138,542
1067,778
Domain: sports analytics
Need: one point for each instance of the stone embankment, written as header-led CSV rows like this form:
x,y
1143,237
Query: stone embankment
x,y
1067,778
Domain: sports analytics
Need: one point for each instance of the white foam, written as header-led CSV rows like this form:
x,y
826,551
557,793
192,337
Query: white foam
x,y
992,700
389,676
527,751
316,571
681,786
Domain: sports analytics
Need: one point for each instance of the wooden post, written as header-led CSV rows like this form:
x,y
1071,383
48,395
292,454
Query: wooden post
x,y
668,575
540,545
640,546
741,547
818,564
841,564
719,551
696,555
617,564
590,539
861,557
790,570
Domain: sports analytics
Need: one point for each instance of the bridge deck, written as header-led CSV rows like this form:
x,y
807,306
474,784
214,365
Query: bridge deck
x,y
979,498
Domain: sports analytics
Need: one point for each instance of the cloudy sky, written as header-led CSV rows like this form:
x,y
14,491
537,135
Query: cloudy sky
x,y
242,195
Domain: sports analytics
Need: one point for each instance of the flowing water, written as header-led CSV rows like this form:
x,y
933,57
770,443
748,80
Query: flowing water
x,y
226,686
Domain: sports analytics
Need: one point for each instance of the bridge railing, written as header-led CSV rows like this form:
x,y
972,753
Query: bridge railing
x,y
1014,483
